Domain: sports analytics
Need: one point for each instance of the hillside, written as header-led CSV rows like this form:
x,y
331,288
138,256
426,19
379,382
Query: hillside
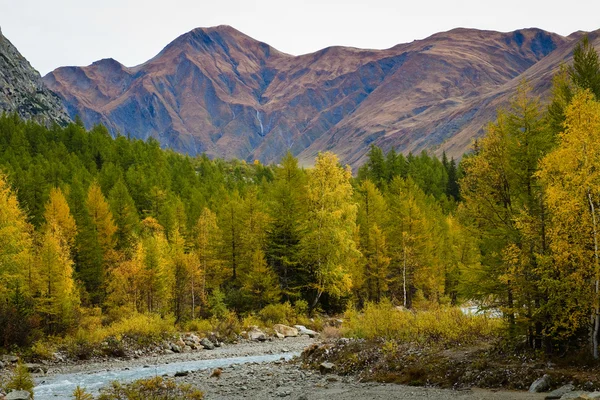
x,y
221,92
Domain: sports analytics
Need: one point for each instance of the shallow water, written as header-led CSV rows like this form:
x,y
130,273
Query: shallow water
x,y
62,385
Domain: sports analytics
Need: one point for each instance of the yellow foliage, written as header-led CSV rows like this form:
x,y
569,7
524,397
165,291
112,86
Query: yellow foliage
x,y
446,326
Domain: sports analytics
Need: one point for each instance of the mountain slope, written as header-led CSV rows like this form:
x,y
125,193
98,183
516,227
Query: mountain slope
x,y
219,91
22,90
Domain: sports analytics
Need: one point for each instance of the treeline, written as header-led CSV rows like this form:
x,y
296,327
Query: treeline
x,y
90,222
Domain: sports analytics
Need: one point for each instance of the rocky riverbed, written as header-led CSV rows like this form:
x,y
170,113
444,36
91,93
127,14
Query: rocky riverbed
x,y
268,380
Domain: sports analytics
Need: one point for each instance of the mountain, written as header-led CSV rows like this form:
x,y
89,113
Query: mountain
x,y
22,90
218,91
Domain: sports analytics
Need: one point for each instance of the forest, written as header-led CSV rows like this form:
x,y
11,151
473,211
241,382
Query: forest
x,y
113,227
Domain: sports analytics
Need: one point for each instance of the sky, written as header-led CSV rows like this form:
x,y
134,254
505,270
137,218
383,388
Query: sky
x,y
54,33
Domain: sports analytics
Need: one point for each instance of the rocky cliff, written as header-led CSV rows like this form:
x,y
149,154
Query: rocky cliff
x,y
219,91
22,90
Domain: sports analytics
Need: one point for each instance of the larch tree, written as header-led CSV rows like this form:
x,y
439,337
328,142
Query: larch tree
x,y
57,212
571,174
210,272
99,243
59,297
16,245
372,217
328,247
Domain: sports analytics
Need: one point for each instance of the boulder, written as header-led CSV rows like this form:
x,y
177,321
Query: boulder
x,y
286,331
207,344
326,367
36,368
175,348
540,385
302,330
181,373
257,335
18,395
577,395
561,391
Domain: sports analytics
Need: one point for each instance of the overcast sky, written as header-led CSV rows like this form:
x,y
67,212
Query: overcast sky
x,y
53,33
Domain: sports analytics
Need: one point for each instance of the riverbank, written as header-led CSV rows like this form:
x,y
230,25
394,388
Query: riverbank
x,y
243,378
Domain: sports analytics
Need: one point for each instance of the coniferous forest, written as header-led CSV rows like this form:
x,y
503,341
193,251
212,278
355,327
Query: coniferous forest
x,y
113,227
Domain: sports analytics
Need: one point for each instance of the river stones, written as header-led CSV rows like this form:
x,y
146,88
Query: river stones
x,y
540,385
257,335
207,344
286,331
18,395
326,367
302,330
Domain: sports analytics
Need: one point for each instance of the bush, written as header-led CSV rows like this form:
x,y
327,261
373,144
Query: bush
x,y
155,388
446,326
278,314
144,328
198,325
43,350
21,380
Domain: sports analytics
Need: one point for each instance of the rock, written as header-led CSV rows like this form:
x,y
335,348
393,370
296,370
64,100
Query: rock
x,y
181,373
194,338
18,395
10,359
180,343
36,368
326,367
540,385
257,335
285,330
558,393
175,348
22,90
578,395
302,330
279,335
207,344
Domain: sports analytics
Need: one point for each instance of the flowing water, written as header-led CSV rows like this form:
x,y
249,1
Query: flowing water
x,y
61,386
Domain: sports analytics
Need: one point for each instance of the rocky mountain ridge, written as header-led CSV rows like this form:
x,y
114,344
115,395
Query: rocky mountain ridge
x,y
218,91
22,90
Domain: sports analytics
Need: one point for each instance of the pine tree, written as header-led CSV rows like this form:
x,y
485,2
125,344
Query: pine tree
x,y
287,215
259,283
125,215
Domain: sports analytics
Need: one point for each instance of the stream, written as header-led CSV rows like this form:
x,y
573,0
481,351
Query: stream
x,y
62,385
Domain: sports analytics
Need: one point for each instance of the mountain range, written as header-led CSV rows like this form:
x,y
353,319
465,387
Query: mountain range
x,y
220,92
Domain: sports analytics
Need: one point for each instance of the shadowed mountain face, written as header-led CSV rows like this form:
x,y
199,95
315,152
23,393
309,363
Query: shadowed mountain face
x,y
219,91
22,90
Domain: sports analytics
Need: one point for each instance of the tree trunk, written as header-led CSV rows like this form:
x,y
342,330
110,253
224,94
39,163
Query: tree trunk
x,y
596,315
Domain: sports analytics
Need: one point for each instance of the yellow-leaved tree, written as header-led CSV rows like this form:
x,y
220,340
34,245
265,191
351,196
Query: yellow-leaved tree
x,y
571,175
328,247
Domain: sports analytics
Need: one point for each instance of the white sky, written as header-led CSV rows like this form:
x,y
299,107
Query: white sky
x,y
53,33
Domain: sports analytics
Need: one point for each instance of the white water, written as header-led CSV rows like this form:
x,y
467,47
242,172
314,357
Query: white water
x,y
61,386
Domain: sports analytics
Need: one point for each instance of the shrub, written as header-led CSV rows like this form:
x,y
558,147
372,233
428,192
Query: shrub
x,y
198,325
446,326
278,314
21,379
155,388
81,394
144,328
43,350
